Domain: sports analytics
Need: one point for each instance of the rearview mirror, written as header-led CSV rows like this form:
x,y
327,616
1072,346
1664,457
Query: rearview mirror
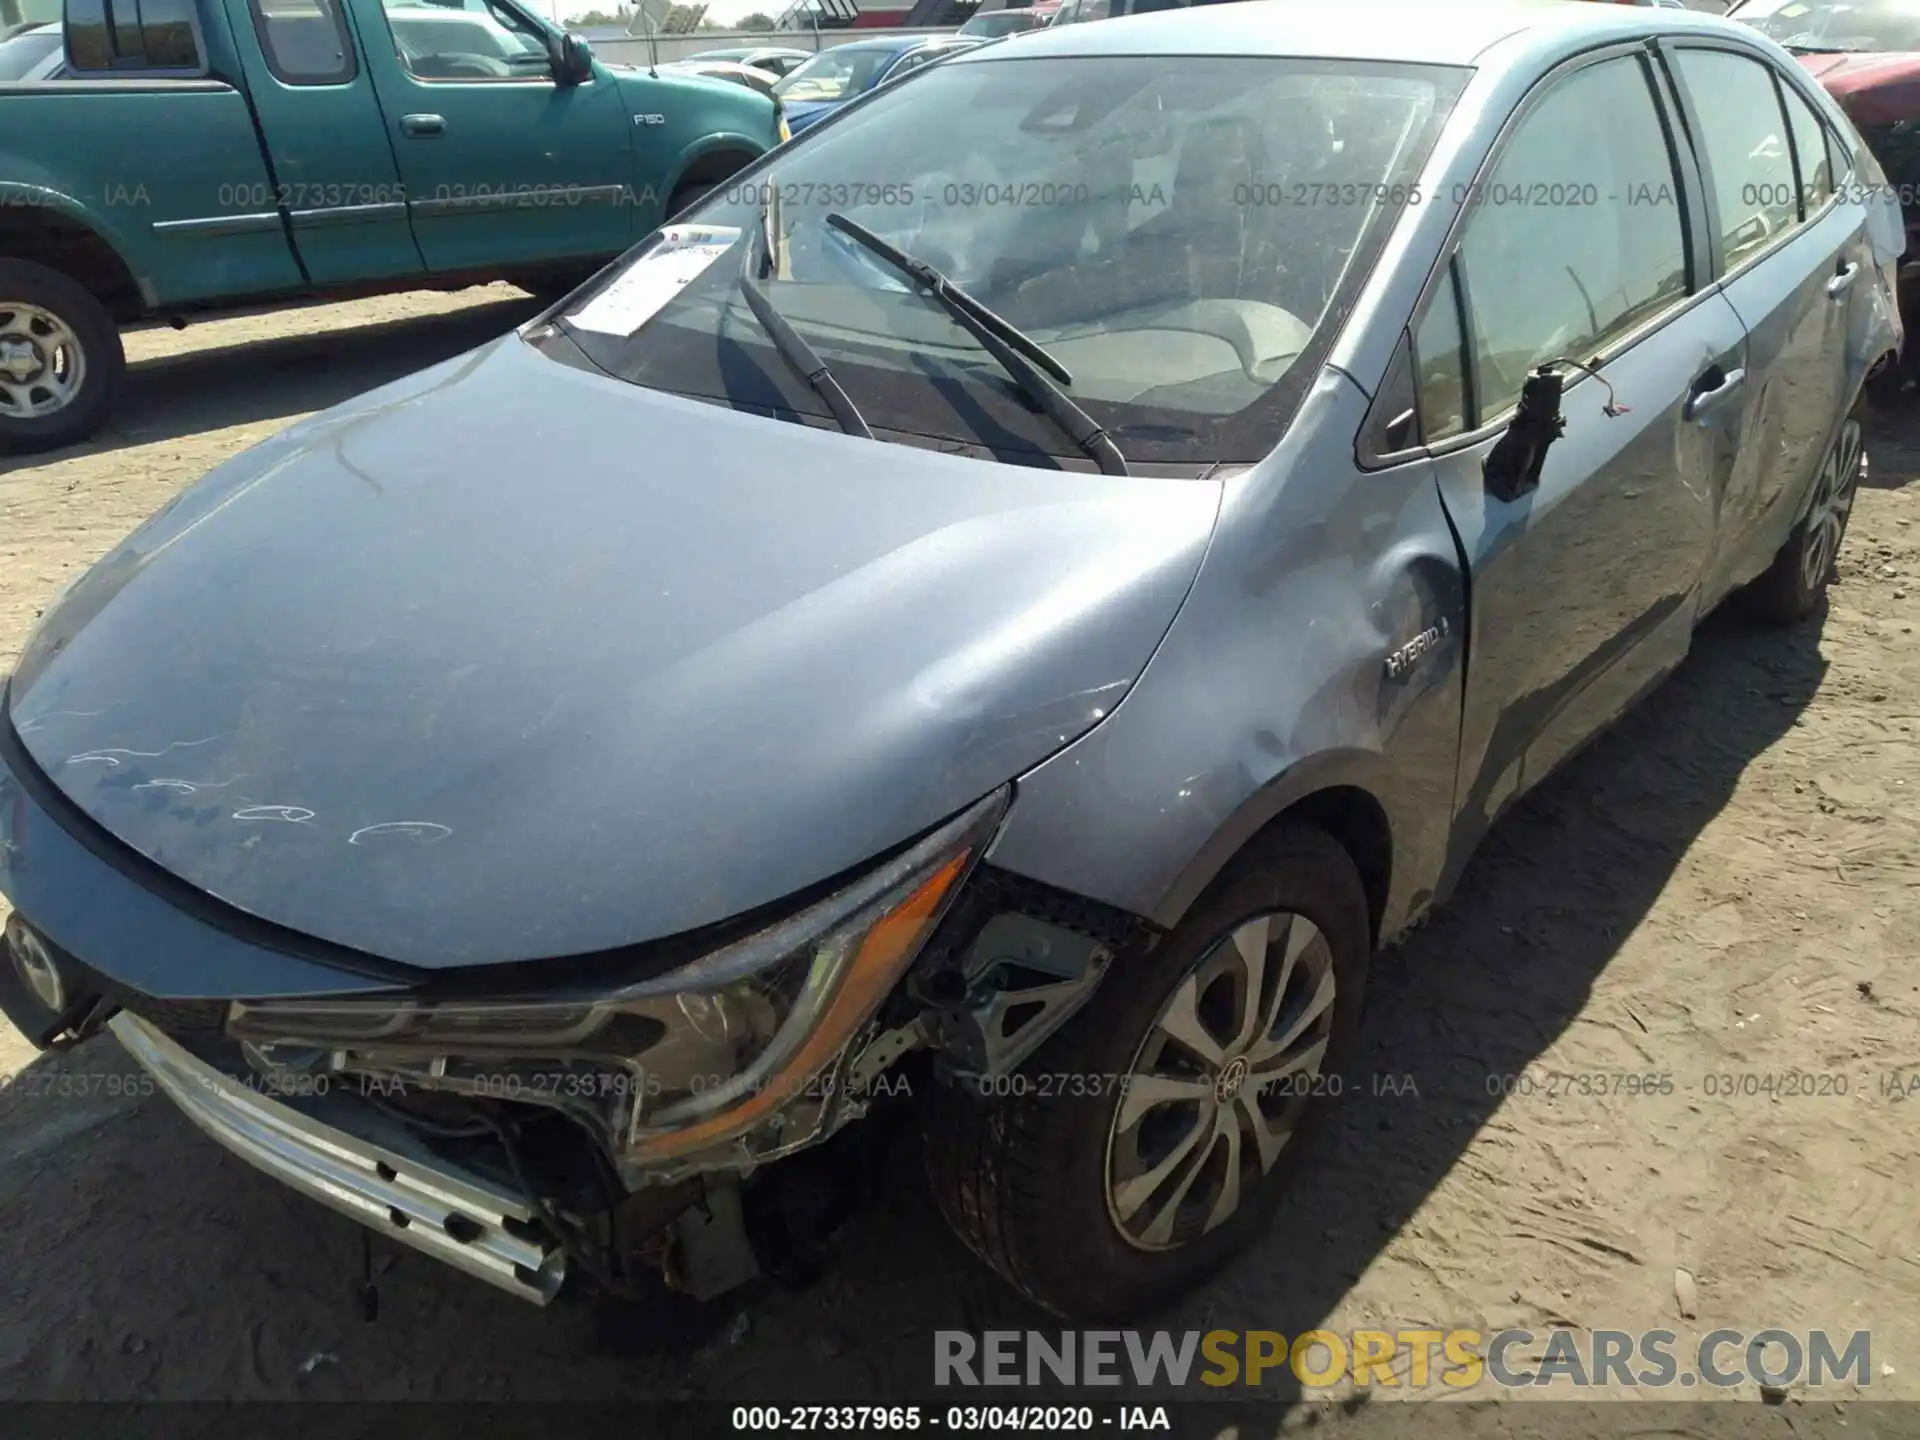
x,y
572,59
1513,465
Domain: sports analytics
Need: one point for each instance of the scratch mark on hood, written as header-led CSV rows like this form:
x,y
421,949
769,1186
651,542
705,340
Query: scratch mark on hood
x,y
292,814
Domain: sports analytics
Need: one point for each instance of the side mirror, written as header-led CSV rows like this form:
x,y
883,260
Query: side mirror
x,y
1513,465
572,59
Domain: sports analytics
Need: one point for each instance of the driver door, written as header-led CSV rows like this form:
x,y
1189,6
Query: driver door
x,y
1584,589
502,165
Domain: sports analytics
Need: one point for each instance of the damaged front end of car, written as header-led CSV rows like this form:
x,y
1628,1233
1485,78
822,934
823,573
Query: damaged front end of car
x,y
618,1134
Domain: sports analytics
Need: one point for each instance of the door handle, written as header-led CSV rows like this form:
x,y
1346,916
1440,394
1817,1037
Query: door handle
x,y
1712,390
423,125
1837,286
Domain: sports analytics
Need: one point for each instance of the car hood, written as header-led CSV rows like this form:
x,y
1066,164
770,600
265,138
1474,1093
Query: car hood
x,y
801,113
1877,88
508,660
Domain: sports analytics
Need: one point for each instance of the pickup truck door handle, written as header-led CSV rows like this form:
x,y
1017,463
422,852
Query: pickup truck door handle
x,y
1712,390
1838,285
423,125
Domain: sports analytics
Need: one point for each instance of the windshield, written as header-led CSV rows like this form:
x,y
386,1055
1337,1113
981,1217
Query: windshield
x,y
1170,229
836,74
1836,25
25,51
1002,22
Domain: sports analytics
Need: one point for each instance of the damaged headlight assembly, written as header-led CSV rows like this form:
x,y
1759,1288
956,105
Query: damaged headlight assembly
x,y
726,1062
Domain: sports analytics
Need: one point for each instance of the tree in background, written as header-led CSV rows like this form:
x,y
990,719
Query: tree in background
x,y
758,20
596,19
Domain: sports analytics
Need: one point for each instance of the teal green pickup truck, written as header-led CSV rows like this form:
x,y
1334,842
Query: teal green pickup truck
x,y
199,155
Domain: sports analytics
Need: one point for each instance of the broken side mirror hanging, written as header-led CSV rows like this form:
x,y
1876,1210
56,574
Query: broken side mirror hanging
x,y
1513,465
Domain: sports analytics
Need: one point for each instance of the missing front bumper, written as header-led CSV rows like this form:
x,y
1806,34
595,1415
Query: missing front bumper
x,y
451,1215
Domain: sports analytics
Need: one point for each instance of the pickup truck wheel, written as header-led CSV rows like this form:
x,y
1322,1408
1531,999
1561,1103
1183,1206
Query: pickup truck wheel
x,y
1147,1142
61,362
1792,586
689,195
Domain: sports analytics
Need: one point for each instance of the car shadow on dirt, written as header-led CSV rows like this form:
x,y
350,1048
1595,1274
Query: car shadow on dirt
x,y
174,396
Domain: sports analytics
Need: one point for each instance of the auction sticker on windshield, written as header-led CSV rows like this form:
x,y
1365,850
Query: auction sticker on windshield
x,y
641,290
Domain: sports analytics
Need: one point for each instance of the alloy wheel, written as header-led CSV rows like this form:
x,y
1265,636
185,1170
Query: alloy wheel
x,y
42,363
1832,504
1218,1084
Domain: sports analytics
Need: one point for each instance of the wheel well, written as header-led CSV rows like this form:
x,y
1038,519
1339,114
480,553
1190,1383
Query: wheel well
x,y
76,252
712,167
1356,820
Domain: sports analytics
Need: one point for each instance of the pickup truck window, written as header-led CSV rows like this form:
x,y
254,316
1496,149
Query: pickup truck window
x,y
305,41
440,43
143,35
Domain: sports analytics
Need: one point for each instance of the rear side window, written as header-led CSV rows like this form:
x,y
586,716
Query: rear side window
x,y
1809,153
305,41
133,35
1577,236
1745,135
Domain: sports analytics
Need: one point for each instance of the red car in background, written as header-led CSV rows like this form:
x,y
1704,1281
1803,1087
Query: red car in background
x,y
1867,55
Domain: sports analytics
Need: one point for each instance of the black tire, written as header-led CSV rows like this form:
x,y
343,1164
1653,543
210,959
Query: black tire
x,y
690,193
102,361
1792,587
1024,1178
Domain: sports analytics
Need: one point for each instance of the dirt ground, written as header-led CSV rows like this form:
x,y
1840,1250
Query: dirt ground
x,y
1726,889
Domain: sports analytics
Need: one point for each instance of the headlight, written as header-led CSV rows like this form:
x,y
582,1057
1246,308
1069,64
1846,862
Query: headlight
x,y
712,1055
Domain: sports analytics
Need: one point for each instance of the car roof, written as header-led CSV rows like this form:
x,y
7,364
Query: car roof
x,y
1454,33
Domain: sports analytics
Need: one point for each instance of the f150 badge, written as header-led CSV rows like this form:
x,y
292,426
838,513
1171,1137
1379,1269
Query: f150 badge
x,y
1401,660
649,119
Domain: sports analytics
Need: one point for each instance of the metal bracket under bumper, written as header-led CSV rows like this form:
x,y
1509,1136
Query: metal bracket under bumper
x,y
456,1218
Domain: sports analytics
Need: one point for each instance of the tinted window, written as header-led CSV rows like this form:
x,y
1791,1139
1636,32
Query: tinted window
x,y
1746,143
1440,357
1577,236
1809,153
835,74
305,41
132,35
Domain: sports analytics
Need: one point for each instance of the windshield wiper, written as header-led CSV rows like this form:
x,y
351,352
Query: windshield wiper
x,y
1018,353
792,346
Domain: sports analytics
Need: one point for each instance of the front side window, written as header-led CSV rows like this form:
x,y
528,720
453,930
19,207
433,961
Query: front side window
x,y
1577,236
486,42
1745,134
1171,229
1440,359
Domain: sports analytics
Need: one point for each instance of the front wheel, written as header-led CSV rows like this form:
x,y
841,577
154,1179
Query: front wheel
x,y
61,362
1146,1144
1792,586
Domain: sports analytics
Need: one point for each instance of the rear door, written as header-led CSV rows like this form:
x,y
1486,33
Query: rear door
x,y
333,168
1789,253
1577,247
502,164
